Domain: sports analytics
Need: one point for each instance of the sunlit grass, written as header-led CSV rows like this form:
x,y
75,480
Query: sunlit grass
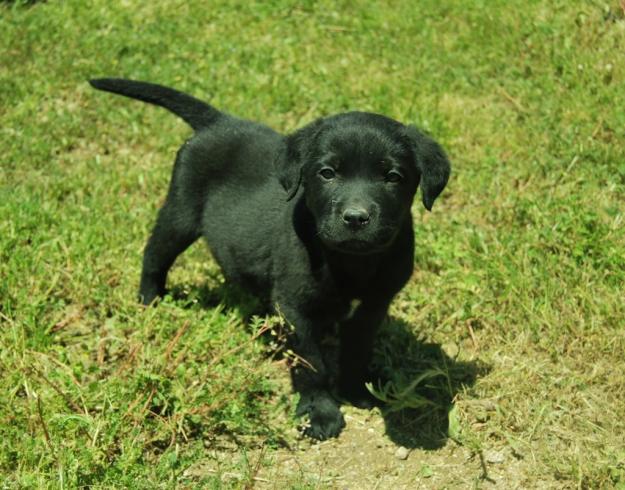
x,y
516,305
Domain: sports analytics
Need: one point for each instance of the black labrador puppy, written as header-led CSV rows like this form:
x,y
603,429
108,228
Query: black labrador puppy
x,y
317,223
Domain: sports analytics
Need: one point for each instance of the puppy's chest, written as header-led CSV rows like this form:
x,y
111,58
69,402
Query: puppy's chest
x,y
352,283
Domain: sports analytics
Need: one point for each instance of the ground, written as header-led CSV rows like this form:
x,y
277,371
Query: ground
x,y
502,359
364,457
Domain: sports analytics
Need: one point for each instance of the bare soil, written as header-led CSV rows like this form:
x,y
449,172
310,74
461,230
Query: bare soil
x,y
364,457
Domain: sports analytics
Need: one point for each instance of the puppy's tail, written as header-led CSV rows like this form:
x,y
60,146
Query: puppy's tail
x,y
197,114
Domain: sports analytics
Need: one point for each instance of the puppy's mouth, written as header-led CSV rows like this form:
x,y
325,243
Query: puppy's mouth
x,y
356,245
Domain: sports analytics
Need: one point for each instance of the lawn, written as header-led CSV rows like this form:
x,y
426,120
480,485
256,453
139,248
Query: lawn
x,y
504,355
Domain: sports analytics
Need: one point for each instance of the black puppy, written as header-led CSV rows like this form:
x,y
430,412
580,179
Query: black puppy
x,y
317,222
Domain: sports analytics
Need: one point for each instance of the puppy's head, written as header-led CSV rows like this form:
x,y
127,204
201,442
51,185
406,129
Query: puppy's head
x,y
359,174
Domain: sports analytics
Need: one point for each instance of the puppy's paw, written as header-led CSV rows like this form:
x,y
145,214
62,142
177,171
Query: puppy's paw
x,y
325,420
151,296
359,396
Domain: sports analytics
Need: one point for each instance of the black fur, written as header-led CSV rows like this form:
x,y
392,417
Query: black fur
x,y
314,222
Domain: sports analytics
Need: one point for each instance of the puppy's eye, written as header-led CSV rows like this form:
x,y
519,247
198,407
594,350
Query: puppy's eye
x,y
393,177
327,173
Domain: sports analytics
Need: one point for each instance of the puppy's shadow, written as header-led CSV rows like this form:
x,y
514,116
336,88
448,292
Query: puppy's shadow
x,y
418,383
219,294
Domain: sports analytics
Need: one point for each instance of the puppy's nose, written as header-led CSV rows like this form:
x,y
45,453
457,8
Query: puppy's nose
x,y
355,217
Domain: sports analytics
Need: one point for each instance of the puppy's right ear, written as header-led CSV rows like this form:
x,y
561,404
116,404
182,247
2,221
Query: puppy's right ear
x,y
299,149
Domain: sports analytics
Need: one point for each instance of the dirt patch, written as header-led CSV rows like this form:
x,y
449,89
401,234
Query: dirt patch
x,y
364,457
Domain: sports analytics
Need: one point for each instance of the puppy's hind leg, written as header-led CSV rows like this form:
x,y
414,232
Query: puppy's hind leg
x,y
177,227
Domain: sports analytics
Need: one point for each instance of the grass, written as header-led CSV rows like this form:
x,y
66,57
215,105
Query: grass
x,y
515,312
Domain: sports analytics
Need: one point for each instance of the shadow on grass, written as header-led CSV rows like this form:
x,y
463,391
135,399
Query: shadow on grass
x,y
418,383
21,3
228,296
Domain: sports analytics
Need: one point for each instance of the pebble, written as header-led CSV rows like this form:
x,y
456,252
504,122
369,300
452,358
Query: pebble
x,y
489,405
402,453
481,416
495,457
451,349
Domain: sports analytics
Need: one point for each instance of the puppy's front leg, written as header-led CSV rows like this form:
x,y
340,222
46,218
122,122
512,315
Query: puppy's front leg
x,y
310,380
357,335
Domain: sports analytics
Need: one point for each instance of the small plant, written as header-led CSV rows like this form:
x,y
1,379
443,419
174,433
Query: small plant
x,y
398,397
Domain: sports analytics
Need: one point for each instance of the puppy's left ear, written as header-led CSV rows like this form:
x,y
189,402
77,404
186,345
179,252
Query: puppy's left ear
x,y
298,149
432,163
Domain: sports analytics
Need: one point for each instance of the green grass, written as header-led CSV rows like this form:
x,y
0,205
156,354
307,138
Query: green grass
x,y
520,269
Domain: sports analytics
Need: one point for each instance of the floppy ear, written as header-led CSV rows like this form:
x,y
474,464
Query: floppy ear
x,y
297,151
432,164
